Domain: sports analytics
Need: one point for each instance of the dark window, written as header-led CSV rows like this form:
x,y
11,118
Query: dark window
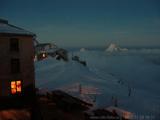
x,y
14,44
15,66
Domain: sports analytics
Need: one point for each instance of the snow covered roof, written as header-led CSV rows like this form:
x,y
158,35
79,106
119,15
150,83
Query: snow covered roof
x,y
125,114
6,28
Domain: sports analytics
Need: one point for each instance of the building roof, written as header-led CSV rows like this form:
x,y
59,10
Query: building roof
x,y
6,28
43,44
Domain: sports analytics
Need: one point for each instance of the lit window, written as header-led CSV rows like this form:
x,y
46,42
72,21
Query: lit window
x,y
16,87
44,55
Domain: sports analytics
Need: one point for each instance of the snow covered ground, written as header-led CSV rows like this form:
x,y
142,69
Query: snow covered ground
x,y
109,75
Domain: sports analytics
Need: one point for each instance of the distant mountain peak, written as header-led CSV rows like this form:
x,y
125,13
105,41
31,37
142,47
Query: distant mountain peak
x,y
114,48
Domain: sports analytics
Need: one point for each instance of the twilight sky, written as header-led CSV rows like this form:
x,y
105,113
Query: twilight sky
x,y
87,22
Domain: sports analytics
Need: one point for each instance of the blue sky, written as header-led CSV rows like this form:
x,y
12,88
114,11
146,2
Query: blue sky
x,y
87,22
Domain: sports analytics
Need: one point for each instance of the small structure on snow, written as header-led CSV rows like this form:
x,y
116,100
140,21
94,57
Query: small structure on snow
x,y
43,50
76,58
45,46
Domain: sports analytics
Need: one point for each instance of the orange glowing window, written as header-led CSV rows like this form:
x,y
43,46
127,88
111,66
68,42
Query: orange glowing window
x,y
16,87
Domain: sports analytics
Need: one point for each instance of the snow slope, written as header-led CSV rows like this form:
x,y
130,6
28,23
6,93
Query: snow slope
x,y
112,75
